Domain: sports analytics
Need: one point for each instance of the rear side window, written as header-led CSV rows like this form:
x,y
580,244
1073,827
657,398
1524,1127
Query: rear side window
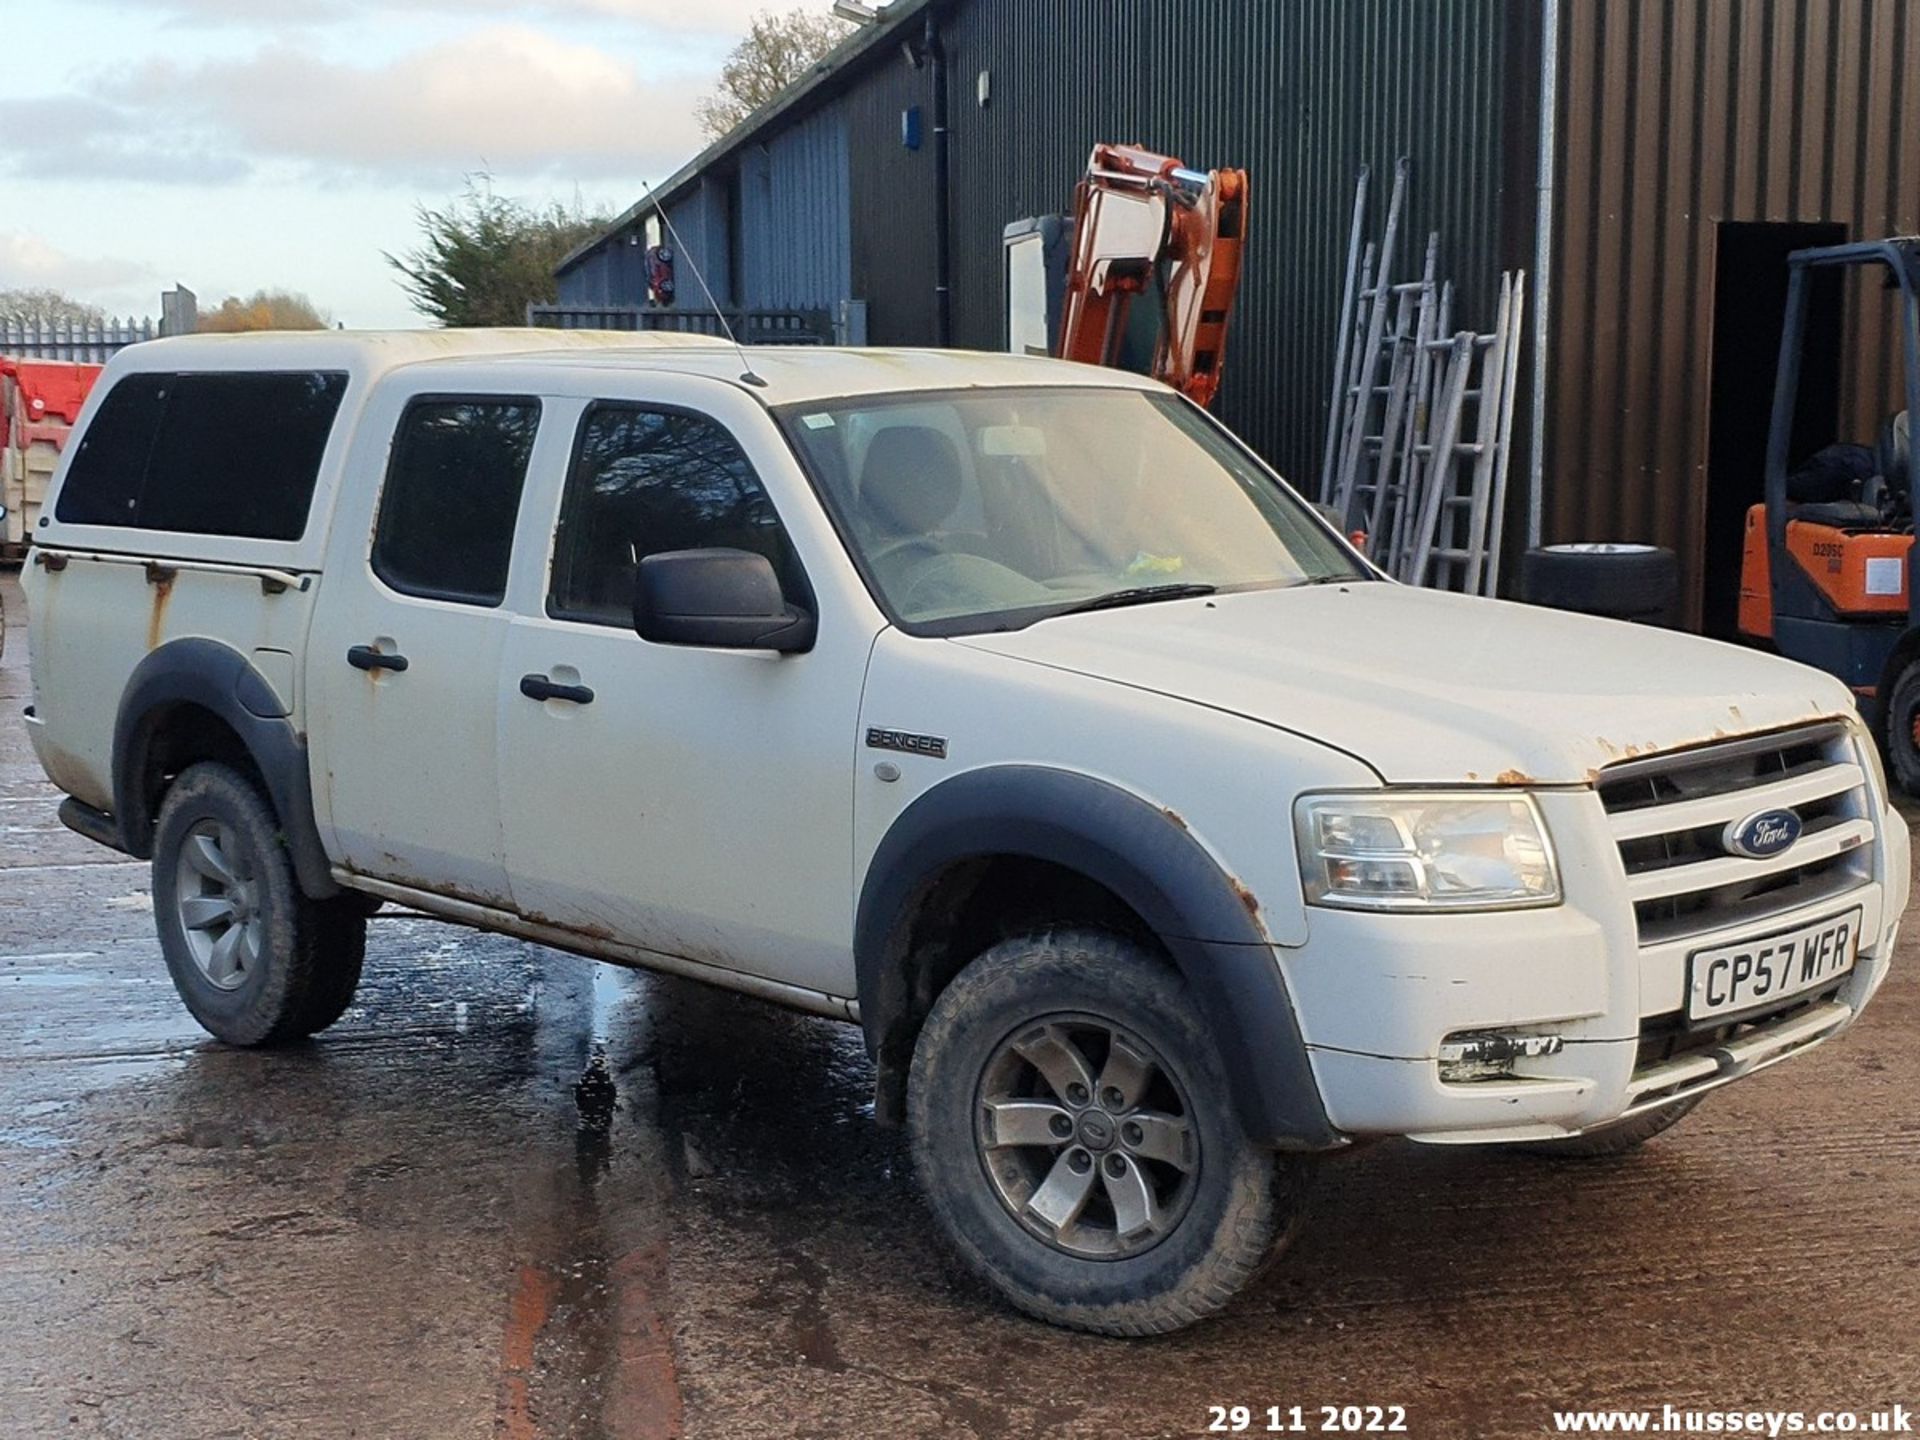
x,y
211,454
645,481
452,494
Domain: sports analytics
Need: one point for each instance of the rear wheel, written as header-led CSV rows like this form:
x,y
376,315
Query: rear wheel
x,y
1902,729
254,960
1072,1129
338,933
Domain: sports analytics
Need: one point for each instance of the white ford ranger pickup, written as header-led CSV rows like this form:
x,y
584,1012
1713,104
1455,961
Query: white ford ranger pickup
x,y
1012,709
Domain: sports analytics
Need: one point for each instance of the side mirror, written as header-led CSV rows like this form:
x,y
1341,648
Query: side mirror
x,y
727,599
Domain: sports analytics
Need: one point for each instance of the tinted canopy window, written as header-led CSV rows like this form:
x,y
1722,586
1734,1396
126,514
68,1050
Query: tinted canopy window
x,y
647,481
452,493
210,454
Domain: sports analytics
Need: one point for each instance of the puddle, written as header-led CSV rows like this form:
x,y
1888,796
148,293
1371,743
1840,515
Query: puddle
x,y
61,980
26,1137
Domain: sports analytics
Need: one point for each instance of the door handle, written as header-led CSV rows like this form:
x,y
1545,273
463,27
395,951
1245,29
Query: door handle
x,y
539,687
365,657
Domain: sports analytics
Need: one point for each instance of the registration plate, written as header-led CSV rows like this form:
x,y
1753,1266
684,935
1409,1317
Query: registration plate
x,y
1768,970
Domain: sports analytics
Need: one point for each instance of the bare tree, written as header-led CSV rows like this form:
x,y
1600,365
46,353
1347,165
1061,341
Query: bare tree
x,y
46,307
776,51
264,310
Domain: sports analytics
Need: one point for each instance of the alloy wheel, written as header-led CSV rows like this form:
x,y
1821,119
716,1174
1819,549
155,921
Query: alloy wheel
x,y
1087,1136
217,899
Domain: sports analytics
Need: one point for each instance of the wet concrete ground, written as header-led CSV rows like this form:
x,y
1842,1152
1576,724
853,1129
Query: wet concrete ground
x,y
423,1224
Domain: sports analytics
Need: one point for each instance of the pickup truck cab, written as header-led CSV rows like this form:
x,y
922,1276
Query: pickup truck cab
x,y
1011,709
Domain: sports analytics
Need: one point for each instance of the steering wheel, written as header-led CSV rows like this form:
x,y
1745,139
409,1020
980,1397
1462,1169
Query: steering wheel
x,y
965,572
900,547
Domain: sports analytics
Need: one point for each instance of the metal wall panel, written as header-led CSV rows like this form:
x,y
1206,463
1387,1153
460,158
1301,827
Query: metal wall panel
x,y
1676,115
892,202
612,273
792,212
701,219
588,281
1299,94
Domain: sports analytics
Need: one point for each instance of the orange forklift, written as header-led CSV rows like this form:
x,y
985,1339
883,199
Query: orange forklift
x,y
1827,572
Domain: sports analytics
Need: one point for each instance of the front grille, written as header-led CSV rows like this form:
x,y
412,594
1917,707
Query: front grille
x,y
1669,812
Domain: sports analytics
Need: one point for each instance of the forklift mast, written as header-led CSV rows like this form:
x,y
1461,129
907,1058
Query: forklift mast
x,y
1809,563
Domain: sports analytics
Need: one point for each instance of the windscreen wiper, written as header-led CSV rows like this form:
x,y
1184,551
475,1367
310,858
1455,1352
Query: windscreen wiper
x,y
1138,595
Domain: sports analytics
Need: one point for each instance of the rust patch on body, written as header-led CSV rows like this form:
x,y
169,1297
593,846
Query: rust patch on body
x,y
586,931
1514,777
162,578
1247,897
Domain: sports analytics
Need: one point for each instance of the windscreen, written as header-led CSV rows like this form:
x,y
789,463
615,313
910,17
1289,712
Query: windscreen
x,y
991,509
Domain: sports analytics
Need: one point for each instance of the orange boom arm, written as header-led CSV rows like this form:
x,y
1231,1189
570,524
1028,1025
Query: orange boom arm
x,y
1141,219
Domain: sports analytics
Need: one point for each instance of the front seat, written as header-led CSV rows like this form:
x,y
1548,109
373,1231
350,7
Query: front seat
x,y
910,485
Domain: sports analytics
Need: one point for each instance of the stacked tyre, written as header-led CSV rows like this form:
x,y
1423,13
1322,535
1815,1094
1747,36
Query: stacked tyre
x,y
1620,581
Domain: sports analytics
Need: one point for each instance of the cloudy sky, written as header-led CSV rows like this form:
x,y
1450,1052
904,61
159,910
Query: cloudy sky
x,y
234,145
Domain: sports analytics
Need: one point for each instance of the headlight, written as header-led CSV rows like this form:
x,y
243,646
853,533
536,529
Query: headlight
x,y
1424,851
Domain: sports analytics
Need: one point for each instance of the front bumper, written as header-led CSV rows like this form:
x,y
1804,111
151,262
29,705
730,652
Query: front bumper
x,y
1377,994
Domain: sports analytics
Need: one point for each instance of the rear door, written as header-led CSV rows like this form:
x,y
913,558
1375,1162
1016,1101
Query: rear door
x,y
404,657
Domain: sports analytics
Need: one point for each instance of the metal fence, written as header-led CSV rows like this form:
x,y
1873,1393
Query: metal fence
x,y
750,327
58,340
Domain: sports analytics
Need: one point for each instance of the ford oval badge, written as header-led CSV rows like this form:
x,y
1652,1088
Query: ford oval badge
x,y
1759,836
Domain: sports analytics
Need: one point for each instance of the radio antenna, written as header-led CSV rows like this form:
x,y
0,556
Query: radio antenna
x,y
746,371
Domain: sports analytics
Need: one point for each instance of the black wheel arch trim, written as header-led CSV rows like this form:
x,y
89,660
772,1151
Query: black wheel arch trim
x,y
219,679
1143,854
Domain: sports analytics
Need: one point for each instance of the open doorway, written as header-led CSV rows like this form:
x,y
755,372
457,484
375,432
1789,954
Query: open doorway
x,y
1749,303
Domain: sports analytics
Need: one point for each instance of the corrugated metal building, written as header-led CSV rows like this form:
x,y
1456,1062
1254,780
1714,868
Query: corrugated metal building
x,y
1691,143
1697,142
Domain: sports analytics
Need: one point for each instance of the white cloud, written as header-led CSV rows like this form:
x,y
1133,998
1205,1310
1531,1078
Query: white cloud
x,y
102,138
30,262
508,99
687,17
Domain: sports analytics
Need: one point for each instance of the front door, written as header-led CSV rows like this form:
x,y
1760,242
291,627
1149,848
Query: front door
x,y
404,658
693,802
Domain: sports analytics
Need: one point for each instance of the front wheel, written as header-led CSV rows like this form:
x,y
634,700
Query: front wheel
x,y
1072,1129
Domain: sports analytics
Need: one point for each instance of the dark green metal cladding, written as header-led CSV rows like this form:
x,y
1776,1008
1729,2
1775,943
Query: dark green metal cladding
x,y
1299,93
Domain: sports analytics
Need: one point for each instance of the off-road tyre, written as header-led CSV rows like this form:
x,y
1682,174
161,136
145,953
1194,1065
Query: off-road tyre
x,y
1243,1203
338,935
1615,1139
304,953
1900,729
